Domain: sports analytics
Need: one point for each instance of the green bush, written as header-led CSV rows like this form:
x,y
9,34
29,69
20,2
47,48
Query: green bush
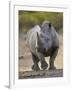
x,y
27,19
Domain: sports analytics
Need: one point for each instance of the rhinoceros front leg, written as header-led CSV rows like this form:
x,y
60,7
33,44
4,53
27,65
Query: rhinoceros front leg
x,y
52,57
35,66
41,57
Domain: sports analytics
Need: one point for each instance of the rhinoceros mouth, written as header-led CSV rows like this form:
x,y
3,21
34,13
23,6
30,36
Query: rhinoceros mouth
x,y
44,51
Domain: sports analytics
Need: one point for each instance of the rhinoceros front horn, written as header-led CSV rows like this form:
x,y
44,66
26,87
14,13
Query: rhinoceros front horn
x,y
38,41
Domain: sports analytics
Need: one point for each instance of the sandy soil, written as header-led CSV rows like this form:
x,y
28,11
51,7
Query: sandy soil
x,y
25,58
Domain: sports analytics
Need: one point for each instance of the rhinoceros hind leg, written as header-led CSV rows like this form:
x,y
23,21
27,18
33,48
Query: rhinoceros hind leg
x,y
35,66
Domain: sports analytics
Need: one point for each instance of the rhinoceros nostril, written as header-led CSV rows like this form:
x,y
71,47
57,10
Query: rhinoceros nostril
x,y
46,39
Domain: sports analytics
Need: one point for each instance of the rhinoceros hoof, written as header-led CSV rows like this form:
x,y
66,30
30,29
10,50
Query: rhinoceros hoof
x,y
52,68
35,67
44,65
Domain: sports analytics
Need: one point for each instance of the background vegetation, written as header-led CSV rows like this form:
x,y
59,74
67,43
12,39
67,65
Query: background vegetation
x,y
27,19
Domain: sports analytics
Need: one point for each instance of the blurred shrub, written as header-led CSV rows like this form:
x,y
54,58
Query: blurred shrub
x,y
27,19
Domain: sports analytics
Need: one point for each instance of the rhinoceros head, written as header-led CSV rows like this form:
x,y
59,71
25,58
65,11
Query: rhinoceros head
x,y
46,25
44,39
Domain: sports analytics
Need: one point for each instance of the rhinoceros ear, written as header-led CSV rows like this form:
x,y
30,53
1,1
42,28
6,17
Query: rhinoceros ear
x,y
46,24
49,25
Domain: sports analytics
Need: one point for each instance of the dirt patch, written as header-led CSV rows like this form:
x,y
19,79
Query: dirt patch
x,y
41,74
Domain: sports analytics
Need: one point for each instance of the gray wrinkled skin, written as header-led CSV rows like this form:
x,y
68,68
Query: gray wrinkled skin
x,y
40,41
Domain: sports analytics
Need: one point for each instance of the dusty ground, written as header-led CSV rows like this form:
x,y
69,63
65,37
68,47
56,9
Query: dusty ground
x,y
41,74
25,58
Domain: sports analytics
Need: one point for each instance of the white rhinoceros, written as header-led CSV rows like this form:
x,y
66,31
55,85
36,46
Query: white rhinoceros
x,y
43,41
